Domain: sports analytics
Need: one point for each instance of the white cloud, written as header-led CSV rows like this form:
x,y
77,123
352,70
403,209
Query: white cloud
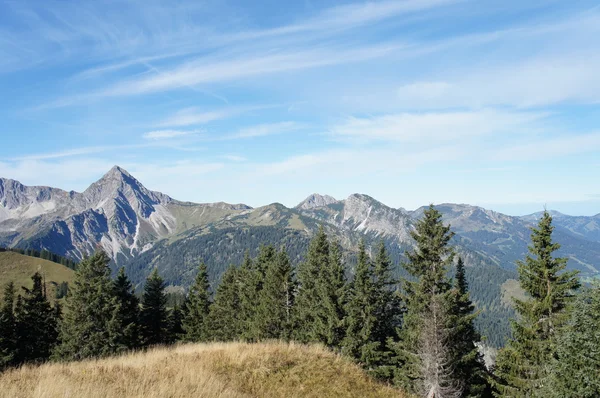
x,y
166,134
429,127
550,147
234,158
205,72
265,129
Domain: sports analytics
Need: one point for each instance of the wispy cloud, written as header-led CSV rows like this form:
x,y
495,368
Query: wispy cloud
x,y
167,134
431,127
262,130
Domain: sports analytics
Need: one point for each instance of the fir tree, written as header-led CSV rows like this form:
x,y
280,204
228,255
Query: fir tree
x,y
309,323
175,325
154,315
423,351
224,317
467,360
575,369
92,325
37,325
247,275
8,328
195,323
129,311
388,311
333,293
276,298
359,342
522,366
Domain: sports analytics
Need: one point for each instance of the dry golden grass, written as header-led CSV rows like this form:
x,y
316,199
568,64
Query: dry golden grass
x,y
201,370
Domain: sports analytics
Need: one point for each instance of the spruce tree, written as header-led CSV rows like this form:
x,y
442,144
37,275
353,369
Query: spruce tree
x,y
276,298
195,323
423,349
359,341
8,328
175,325
224,317
388,311
467,360
129,311
154,316
308,314
92,325
522,366
575,368
333,291
37,324
249,282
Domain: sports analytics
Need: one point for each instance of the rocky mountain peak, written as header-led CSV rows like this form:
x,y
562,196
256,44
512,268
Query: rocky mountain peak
x,y
316,200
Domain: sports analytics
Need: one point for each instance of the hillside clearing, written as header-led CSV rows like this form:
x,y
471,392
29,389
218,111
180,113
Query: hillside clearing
x,y
19,268
201,370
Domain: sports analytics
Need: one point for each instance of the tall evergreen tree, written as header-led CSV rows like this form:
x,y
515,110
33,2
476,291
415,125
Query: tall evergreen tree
x,y
37,324
175,325
575,368
92,325
224,316
129,311
522,367
8,328
333,291
308,315
359,341
154,316
276,298
423,350
388,311
250,282
195,323
468,362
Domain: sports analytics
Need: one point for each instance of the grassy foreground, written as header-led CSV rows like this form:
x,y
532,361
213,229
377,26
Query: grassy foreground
x,y
201,370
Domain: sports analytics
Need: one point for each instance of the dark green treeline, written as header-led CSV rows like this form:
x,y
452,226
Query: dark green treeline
x,y
417,333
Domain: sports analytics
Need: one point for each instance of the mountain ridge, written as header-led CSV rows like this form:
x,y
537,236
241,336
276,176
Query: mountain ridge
x,y
120,215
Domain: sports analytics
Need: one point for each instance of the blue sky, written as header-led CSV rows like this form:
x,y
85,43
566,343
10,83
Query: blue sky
x,y
494,103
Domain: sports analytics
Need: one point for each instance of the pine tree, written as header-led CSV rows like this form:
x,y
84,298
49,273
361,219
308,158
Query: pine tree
x,y
575,369
308,315
388,311
276,298
8,328
423,350
37,325
92,325
468,362
195,323
249,280
333,293
359,342
154,316
129,311
224,317
522,366
175,325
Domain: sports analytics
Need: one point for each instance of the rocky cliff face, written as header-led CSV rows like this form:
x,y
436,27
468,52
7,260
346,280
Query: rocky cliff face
x,y
116,213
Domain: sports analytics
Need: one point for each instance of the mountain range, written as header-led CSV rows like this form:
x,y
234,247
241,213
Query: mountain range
x,y
118,214
141,229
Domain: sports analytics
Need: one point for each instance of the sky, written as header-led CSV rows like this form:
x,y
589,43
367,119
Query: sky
x,y
491,103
